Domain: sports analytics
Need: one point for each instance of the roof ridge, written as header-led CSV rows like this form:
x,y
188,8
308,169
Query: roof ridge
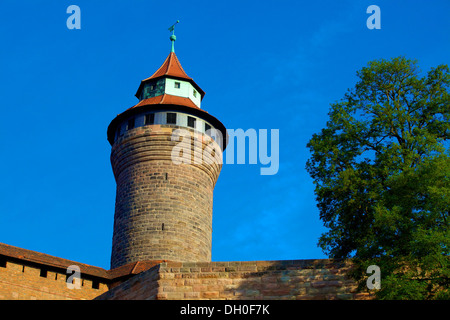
x,y
179,65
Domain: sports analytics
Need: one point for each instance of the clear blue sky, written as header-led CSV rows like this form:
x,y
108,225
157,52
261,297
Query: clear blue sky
x,y
263,65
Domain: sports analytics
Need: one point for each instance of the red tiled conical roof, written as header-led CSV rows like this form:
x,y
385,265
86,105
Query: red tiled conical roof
x,y
170,67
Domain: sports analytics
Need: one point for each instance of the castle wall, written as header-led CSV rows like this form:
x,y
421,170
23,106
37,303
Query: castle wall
x,y
21,281
285,280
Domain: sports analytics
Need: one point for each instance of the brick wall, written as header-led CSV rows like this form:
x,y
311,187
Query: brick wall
x,y
291,279
163,210
25,282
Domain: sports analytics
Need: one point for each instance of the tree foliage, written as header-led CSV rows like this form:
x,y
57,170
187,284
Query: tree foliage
x,y
381,168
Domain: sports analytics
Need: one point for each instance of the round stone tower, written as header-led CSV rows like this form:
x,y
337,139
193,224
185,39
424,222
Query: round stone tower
x,y
166,157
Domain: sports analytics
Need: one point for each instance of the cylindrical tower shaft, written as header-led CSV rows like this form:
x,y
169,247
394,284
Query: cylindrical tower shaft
x,y
163,208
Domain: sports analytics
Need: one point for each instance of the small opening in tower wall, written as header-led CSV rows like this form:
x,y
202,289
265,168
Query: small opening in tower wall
x,y
177,85
162,227
171,118
43,273
207,127
95,284
2,262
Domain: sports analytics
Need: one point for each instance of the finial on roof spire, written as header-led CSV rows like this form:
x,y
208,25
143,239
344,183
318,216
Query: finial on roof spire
x,y
173,37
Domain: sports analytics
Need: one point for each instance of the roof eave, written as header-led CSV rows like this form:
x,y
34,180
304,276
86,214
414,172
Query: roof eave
x,y
164,106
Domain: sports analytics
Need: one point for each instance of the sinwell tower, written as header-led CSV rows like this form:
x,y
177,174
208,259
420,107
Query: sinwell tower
x,y
166,158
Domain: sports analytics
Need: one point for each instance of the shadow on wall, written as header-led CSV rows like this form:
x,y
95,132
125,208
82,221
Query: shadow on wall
x,y
290,280
322,279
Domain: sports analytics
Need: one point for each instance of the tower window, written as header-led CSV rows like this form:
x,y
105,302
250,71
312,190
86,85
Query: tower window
x,y
171,118
191,122
131,124
195,94
177,85
150,118
207,127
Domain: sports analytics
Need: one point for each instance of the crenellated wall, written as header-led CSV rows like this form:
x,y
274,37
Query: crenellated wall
x,y
19,281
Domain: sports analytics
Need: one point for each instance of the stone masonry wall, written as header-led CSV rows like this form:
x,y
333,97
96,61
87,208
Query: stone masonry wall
x,y
25,282
163,210
292,279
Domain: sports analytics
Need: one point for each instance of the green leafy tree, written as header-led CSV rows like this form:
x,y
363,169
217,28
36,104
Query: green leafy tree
x,y
381,169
